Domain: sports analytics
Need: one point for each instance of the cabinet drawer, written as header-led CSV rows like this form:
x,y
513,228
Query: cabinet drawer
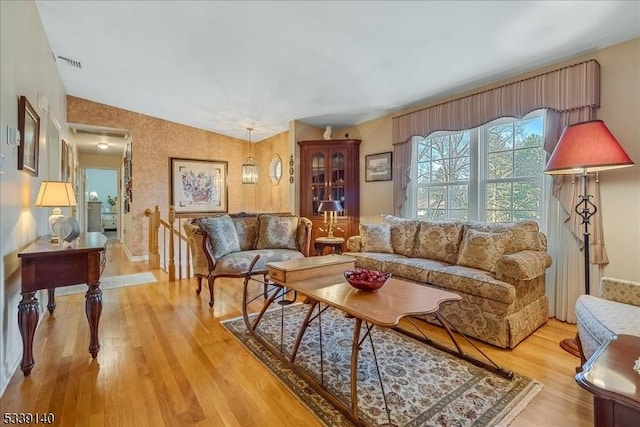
x,y
109,224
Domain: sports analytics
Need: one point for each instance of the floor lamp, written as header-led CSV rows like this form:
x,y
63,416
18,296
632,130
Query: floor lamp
x,y
585,148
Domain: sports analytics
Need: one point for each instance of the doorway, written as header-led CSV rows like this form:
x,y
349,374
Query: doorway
x,y
101,190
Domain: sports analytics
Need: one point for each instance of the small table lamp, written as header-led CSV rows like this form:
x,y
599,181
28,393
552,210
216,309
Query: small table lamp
x,y
55,194
332,207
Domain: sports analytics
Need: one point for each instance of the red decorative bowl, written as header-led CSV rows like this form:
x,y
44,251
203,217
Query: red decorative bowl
x,y
366,280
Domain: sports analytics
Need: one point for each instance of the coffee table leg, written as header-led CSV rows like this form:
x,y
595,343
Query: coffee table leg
x,y
302,330
355,347
93,310
27,321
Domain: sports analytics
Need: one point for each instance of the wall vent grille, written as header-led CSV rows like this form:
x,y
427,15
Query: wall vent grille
x,y
71,62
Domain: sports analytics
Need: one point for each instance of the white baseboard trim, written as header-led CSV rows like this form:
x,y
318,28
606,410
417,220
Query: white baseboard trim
x,y
11,365
134,258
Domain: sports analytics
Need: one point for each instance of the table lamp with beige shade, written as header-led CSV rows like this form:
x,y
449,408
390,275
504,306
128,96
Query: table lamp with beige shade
x,y
56,195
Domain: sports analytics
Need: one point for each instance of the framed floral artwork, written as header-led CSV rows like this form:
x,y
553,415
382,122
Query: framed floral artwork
x,y
198,186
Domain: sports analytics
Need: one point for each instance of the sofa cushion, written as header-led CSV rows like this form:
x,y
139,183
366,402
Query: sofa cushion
x,y
247,229
239,262
417,269
372,261
438,241
525,234
482,250
277,232
221,233
473,281
599,320
376,238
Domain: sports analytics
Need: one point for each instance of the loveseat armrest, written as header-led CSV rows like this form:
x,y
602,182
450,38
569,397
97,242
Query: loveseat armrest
x,y
624,291
303,235
203,262
354,244
523,265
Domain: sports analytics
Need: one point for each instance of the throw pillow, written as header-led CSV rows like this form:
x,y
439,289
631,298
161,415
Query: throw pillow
x,y
376,238
247,229
438,240
403,237
222,235
482,250
525,234
277,232
403,233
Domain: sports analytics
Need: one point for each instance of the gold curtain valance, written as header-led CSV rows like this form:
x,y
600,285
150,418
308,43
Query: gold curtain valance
x,y
573,87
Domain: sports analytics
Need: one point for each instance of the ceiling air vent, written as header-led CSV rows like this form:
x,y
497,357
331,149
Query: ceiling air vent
x,y
71,62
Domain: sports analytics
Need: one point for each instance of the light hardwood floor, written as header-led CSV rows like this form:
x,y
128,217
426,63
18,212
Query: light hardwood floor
x,y
166,360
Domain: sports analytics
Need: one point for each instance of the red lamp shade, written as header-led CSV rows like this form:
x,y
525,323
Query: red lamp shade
x,y
587,147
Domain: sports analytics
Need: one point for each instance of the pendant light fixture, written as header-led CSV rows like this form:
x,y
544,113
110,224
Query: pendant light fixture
x,y
249,168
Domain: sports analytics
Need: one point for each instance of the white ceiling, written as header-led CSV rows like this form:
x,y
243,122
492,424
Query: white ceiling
x,y
225,66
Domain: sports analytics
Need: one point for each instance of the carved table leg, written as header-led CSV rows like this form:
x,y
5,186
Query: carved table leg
x,y
93,309
51,304
27,321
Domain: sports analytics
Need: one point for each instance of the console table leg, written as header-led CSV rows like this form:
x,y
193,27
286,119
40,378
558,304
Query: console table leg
x,y
27,321
93,309
51,303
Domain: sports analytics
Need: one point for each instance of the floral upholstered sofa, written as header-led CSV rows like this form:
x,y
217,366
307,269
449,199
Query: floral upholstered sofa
x,y
225,245
497,268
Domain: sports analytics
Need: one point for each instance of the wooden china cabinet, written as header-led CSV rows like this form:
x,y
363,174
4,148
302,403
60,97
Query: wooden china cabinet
x,y
331,169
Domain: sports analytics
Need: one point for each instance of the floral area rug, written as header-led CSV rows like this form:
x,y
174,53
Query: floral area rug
x,y
423,386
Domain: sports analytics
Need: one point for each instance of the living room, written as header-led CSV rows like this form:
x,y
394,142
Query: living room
x,y
27,69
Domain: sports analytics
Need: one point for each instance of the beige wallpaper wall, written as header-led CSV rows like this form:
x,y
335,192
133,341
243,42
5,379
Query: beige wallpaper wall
x,y
154,141
272,197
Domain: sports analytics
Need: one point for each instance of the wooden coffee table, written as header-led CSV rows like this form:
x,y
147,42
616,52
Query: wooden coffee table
x,y
320,279
615,386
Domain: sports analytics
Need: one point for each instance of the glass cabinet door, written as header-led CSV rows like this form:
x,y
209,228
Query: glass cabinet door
x,y
318,180
337,173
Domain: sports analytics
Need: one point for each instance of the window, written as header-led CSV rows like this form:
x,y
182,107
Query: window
x,y
491,173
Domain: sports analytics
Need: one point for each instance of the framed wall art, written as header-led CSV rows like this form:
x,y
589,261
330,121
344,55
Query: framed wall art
x,y
198,186
29,127
378,167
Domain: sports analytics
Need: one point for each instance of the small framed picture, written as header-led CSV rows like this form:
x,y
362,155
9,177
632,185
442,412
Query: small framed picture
x,y
378,167
198,186
29,127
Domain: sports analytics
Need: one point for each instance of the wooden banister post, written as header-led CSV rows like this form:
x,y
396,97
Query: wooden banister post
x,y
172,261
154,225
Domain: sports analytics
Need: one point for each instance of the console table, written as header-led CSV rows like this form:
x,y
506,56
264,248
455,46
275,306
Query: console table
x,y
48,266
615,386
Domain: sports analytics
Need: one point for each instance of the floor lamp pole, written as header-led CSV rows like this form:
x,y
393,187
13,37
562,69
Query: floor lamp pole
x,y
586,209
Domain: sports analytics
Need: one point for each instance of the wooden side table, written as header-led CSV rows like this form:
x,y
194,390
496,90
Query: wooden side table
x,y
335,243
610,377
47,266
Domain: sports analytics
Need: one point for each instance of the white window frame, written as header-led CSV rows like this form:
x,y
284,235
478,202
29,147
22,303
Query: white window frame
x,y
478,170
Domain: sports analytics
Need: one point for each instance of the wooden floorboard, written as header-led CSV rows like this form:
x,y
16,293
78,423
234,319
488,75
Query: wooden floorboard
x,y
165,359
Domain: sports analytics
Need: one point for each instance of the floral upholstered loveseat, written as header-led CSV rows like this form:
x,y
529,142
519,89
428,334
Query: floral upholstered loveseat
x,y
497,268
225,245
